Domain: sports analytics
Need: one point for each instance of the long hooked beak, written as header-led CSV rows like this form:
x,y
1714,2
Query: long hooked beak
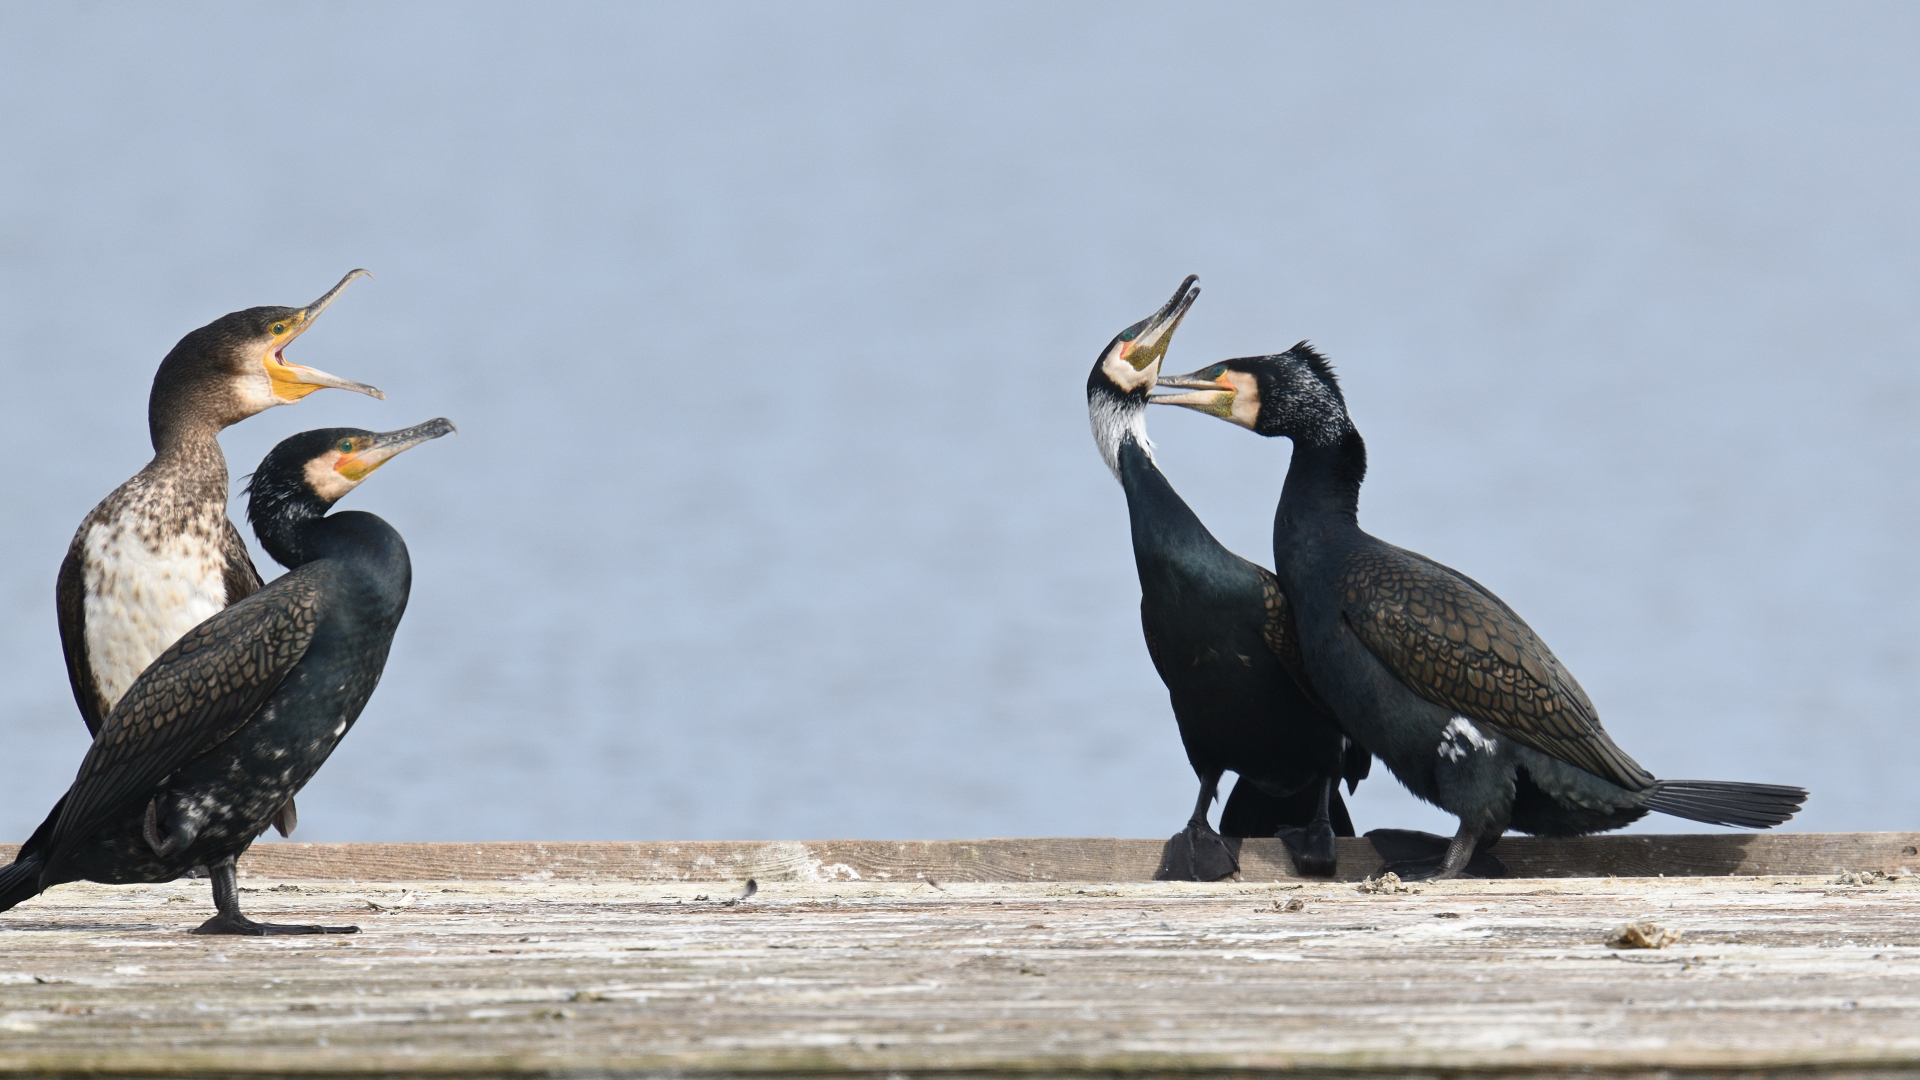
x,y
312,311
295,381
1215,397
1192,382
1155,333
389,444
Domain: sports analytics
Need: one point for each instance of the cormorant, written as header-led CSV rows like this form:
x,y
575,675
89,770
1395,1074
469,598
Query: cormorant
x,y
219,733
1218,629
1431,671
158,555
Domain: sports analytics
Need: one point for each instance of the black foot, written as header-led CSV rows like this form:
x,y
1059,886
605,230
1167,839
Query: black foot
x,y
1312,848
1197,853
228,924
1418,856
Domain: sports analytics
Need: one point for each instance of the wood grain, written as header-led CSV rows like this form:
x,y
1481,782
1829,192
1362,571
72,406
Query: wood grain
x,y
596,977
1065,859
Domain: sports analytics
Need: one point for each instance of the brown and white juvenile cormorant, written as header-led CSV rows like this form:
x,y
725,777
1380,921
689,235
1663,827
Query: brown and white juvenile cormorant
x,y
225,726
158,555
1218,629
1438,677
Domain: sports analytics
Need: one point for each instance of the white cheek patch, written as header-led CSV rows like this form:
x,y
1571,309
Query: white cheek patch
x,y
1246,399
325,481
1121,374
141,599
1460,738
255,390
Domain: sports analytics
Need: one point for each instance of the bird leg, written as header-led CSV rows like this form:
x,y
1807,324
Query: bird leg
x,y
1421,856
226,897
1197,853
1312,848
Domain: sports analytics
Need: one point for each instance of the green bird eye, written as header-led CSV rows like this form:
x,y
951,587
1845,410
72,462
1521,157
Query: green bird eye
x,y
279,328
1130,333
346,446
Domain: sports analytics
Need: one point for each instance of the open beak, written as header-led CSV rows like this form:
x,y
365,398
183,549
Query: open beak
x,y
1152,335
389,444
291,382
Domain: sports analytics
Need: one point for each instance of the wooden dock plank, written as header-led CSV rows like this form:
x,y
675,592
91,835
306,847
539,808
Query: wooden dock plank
x,y
561,961
1057,859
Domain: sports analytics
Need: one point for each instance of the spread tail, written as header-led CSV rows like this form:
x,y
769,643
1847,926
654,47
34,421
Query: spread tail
x,y
1719,802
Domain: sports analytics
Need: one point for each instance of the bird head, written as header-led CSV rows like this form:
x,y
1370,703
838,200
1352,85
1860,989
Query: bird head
x,y
1130,363
1125,373
1293,393
236,366
302,477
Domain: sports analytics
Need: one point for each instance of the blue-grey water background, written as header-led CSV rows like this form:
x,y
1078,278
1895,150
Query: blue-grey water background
x,y
773,511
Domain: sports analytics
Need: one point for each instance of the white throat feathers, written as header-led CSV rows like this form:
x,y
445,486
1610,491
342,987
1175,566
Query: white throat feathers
x,y
1115,420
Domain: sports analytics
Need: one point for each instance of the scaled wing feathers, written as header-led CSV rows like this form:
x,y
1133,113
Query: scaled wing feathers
x,y
195,695
1456,645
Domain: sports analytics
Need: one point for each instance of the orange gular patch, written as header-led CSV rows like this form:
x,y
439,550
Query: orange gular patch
x,y
285,377
356,468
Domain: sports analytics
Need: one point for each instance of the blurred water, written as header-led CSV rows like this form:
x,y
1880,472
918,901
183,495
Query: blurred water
x,y
774,511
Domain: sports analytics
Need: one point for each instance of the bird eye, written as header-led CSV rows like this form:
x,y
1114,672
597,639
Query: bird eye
x,y
1130,333
279,328
346,446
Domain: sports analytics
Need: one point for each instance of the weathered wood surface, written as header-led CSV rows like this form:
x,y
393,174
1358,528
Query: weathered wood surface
x,y
1060,859
578,977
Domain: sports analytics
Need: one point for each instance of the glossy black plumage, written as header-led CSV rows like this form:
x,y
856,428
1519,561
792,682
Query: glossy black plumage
x,y
232,720
1443,681
1216,627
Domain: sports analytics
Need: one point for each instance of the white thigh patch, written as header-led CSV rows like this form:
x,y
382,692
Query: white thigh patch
x,y
1460,738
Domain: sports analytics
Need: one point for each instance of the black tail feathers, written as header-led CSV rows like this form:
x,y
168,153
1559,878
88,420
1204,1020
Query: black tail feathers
x,y
1719,802
20,881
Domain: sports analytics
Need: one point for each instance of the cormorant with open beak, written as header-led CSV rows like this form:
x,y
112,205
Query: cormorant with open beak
x,y
159,555
1435,674
1219,631
225,726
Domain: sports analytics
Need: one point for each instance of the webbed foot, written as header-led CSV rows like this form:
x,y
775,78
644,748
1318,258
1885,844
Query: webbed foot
x,y
1422,856
1312,848
1197,853
240,924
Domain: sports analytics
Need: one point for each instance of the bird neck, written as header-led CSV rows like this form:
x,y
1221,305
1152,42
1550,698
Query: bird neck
x,y
1323,483
1165,528
189,415
300,532
191,458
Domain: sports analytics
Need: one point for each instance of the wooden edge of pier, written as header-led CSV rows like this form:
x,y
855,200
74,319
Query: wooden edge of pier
x,y
1061,859
1674,956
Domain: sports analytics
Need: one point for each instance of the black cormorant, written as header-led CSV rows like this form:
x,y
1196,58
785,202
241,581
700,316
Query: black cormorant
x,y
158,555
1431,671
1219,633
226,725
